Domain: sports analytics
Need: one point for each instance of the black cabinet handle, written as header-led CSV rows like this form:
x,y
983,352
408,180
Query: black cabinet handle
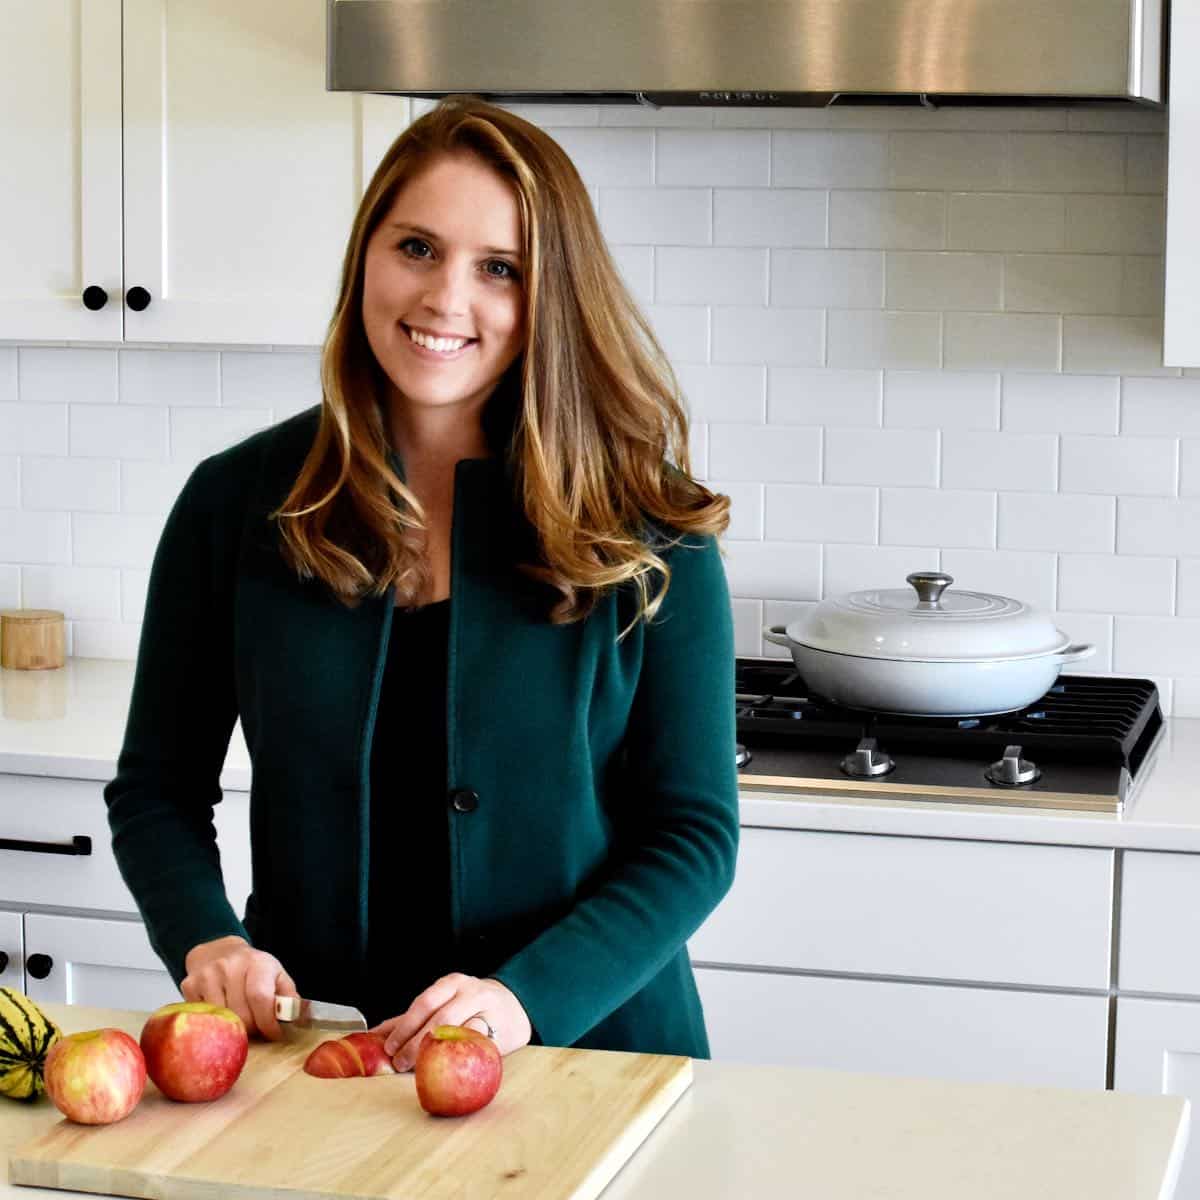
x,y
137,298
79,844
39,965
94,297
3,962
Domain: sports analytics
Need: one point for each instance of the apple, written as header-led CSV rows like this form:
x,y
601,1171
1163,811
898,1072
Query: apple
x,y
458,1070
194,1051
95,1077
355,1054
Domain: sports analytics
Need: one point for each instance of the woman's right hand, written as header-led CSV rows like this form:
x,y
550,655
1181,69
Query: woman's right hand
x,y
230,972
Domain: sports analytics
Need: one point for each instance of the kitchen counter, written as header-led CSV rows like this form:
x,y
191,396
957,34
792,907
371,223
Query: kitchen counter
x,y
70,722
762,1132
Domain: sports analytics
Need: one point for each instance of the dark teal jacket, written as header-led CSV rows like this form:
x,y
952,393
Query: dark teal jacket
x,y
591,798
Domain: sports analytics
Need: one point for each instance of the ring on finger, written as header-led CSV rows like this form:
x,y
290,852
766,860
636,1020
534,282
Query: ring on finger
x,y
486,1023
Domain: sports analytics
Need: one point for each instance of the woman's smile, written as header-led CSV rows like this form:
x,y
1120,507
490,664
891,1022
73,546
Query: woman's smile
x,y
438,347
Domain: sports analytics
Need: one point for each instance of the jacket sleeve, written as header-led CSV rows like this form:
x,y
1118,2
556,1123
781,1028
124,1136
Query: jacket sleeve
x,y
181,715
678,837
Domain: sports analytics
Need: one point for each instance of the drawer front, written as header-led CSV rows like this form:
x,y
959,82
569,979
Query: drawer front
x,y
36,809
923,1030
12,951
915,907
1160,923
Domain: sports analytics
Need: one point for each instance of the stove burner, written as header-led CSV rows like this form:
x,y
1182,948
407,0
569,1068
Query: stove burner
x,y
1013,770
742,756
868,761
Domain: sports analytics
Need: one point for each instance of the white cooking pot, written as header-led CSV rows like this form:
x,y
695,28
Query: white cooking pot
x,y
927,652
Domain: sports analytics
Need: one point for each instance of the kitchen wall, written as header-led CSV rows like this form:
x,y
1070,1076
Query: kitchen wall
x,y
908,339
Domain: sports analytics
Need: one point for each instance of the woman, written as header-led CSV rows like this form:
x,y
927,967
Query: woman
x,y
476,627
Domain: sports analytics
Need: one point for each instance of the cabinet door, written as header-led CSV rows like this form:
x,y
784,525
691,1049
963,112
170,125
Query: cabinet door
x,y
940,1032
242,173
1158,1053
60,143
12,951
104,963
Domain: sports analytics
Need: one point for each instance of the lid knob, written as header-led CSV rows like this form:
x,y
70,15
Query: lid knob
x,y
930,585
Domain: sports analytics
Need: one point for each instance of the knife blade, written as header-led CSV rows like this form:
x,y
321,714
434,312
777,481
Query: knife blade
x,y
315,1014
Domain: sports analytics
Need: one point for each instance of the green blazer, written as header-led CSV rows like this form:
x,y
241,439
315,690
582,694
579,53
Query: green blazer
x,y
591,797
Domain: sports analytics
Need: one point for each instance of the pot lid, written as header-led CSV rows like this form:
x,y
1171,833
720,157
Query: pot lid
x,y
928,623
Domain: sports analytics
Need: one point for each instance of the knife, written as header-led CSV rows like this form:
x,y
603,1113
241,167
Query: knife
x,y
313,1014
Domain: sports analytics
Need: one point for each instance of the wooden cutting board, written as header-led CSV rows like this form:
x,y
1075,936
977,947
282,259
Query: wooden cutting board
x,y
562,1125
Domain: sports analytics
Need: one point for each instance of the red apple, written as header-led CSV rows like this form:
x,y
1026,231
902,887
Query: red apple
x,y
95,1077
458,1070
354,1055
194,1051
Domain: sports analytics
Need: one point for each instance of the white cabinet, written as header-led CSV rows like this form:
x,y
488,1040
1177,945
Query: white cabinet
x,y
1160,923
225,193
12,951
1158,1053
1181,319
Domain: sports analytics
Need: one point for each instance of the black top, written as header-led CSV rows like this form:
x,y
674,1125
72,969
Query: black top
x,y
409,940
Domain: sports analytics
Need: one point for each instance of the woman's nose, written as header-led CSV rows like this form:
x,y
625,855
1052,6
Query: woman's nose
x,y
446,293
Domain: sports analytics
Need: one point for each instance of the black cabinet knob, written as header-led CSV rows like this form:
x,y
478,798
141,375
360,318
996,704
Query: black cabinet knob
x,y
94,297
3,962
39,965
137,298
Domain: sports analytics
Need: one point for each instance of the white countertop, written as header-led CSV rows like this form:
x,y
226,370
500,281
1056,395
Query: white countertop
x,y
764,1132
70,723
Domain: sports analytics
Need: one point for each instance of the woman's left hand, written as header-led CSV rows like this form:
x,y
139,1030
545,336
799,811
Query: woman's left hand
x,y
450,1001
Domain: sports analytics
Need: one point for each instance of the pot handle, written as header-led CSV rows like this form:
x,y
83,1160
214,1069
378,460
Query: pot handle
x,y
777,636
1076,652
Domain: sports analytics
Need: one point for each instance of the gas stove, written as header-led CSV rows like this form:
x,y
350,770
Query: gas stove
x,y
1086,745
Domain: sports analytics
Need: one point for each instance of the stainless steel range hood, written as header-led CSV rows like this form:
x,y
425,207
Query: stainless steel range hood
x,y
752,52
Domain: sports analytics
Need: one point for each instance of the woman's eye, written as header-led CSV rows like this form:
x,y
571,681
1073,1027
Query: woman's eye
x,y
416,248
497,268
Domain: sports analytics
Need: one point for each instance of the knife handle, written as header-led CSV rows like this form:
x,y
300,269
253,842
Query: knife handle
x,y
287,1008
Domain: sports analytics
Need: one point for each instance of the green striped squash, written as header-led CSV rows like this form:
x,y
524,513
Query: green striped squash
x,y
26,1034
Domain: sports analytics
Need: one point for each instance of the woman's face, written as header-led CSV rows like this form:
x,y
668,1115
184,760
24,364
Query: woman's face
x,y
443,298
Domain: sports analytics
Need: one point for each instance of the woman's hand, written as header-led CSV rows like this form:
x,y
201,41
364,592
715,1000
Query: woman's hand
x,y
450,1001
229,971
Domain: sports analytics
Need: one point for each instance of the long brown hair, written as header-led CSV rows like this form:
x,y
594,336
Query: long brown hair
x,y
599,421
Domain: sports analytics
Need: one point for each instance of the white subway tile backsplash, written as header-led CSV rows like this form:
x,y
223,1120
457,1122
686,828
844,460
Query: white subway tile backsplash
x,y
999,461
769,453
1067,162
821,514
852,568
949,161
1189,467
924,119
10,481
717,158
774,217
1116,224
105,639
821,159
8,375
710,275
887,220
1124,465
1063,283
151,487
1002,341
1147,163
71,483
1189,588
745,509
657,216
783,570
1156,645
983,221
1187,698
698,450
124,540
283,383
10,587
1060,403
861,338
52,374
882,457
1116,583
1036,521
724,392
1162,407
1028,576
940,400
118,431
1094,629
944,280
823,396
827,278
610,157
747,628
682,331
775,336
553,116
33,428
636,267
35,537
1130,345
1153,526
1143,285
191,377
134,585
79,593
937,517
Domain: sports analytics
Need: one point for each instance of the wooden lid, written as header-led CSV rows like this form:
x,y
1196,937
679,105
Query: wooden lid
x,y
30,614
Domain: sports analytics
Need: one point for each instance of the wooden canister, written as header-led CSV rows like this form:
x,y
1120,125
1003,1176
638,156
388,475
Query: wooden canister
x,y
32,639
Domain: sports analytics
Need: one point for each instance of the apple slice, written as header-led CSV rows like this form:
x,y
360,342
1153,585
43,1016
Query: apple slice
x,y
353,1056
